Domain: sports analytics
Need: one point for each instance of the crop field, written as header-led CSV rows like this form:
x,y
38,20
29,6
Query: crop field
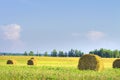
x,y
54,68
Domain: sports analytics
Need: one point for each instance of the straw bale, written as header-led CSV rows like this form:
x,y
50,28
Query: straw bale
x,y
116,63
90,62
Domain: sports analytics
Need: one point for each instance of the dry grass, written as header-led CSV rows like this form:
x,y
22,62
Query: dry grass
x,y
54,68
52,61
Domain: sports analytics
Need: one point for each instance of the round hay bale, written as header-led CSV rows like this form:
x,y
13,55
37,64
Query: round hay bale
x,y
116,63
31,62
11,62
35,60
90,62
32,58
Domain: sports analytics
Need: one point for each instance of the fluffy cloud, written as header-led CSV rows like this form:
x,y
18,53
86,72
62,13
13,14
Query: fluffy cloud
x,y
95,35
12,32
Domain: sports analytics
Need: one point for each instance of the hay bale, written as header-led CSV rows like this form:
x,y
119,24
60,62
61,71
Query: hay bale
x,y
32,58
116,63
35,60
31,62
90,62
11,61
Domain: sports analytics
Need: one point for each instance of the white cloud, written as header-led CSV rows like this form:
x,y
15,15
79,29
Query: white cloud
x,y
95,35
12,32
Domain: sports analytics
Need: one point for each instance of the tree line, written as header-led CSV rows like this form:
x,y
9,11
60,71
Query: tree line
x,y
105,53
55,53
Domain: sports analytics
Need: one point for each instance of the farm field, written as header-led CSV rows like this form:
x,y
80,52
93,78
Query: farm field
x,y
53,68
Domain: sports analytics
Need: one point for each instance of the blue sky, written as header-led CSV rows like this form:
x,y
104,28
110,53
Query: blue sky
x,y
44,25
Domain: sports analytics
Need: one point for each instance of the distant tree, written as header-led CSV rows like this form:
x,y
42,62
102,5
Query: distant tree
x,y
31,53
25,53
101,52
116,54
107,53
119,54
66,54
71,53
46,53
61,54
78,53
54,53
4,54
39,54
82,53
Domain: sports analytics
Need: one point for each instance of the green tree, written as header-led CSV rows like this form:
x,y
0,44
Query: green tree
x,y
54,53
81,53
105,53
77,53
46,53
71,53
25,53
91,52
102,52
66,54
61,54
31,53
37,54
116,54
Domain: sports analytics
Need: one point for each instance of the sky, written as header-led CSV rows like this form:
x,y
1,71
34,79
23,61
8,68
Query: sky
x,y
44,25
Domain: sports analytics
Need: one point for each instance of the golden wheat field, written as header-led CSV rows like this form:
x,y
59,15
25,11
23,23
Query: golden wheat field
x,y
53,68
51,61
